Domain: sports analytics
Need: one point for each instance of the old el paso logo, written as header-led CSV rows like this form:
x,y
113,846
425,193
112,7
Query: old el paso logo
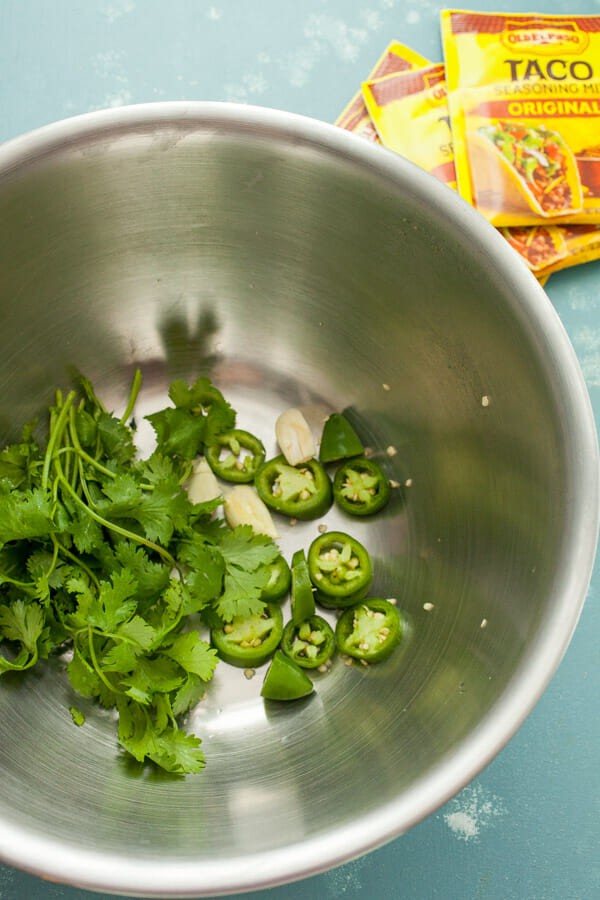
x,y
435,85
545,38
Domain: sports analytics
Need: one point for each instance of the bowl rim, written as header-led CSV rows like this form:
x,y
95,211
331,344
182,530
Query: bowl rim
x,y
47,858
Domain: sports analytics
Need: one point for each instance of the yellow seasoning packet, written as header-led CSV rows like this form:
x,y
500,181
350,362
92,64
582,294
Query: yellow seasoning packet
x,y
582,244
524,99
396,58
410,112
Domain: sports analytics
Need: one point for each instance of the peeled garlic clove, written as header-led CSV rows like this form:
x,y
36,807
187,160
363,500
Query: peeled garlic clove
x,y
243,506
294,437
202,485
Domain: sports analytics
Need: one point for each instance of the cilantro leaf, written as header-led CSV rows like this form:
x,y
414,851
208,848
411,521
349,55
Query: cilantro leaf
x,y
179,752
114,604
18,461
135,729
77,619
199,396
246,556
246,550
205,571
193,654
172,749
25,514
41,562
152,577
13,563
180,394
107,608
188,695
138,631
163,511
199,413
121,658
168,611
84,679
77,715
156,469
87,428
23,622
116,438
179,432
151,676
159,512
123,494
87,533
241,593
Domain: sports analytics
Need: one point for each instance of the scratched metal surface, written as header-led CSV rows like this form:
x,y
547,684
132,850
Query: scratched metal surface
x,y
527,828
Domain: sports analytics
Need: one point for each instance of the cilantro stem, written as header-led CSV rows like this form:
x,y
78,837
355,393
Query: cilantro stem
x,y
117,528
83,483
27,586
172,718
83,454
88,390
56,433
78,562
94,660
186,472
133,395
19,667
54,559
114,637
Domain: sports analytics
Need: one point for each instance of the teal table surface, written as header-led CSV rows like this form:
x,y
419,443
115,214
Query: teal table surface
x,y
528,827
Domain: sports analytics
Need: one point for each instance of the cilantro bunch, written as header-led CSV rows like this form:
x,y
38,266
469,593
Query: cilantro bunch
x,y
104,558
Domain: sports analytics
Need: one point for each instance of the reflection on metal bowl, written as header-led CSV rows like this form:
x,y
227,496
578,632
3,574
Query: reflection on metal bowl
x,y
298,265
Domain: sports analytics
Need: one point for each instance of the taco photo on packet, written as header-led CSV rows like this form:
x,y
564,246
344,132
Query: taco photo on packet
x,y
530,168
539,246
524,101
582,245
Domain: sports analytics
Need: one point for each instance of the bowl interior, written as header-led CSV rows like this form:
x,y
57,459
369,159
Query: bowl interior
x,y
297,266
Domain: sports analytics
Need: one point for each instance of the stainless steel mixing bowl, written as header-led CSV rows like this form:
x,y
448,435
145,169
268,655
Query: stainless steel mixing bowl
x,y
298,265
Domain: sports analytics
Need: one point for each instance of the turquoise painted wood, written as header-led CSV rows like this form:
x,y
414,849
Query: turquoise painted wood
x,y
528,828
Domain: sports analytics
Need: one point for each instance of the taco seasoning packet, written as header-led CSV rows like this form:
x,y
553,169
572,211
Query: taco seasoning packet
x,y
410,112
395,58
524,100
402,106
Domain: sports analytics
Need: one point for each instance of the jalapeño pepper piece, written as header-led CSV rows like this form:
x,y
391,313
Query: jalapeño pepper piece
x,y
309,644
340,567
339,440
370,630
280,579
303,601
235,455
285,680
330,602
360,487
301,492
249,642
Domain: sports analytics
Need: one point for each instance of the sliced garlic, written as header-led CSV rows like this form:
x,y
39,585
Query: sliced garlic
x,y
243,506
294,437
202,485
